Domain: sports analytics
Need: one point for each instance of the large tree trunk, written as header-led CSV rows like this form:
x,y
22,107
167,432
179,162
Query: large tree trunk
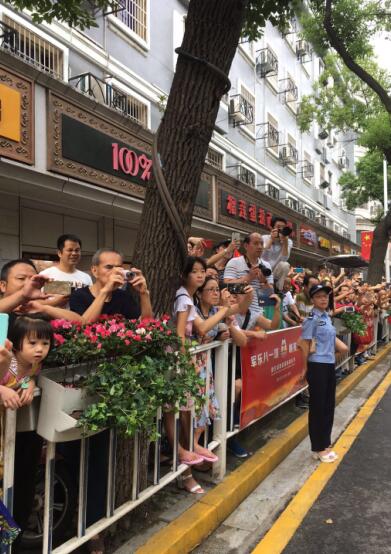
x,y
381,236
212,33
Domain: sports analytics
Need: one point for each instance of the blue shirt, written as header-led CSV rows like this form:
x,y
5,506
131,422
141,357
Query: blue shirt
x,y
318,326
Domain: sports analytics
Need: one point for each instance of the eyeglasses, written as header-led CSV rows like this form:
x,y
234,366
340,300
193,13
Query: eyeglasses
x,y
212,290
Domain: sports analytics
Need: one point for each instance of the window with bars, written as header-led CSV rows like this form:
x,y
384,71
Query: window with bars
x,y
273,136
34,49
250,98
130,106
308,168
135,17
294,157
214,158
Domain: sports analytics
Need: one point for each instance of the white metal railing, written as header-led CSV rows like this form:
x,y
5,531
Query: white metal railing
x,y
224,363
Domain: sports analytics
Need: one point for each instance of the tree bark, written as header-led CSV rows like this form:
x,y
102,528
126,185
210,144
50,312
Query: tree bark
x,y
381,237
212,33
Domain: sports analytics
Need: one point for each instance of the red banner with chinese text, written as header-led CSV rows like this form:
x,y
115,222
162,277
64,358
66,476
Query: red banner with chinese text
x,y
272,372
366,244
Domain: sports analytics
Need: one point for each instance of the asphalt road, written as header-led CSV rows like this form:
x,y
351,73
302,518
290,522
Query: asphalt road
x,y
352,514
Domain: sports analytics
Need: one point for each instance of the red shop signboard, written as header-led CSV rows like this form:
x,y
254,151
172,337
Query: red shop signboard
x,y
272,372
248,212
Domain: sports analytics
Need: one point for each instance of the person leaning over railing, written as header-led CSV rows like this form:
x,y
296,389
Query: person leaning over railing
x,y
21,289
208,300
319,344
188,322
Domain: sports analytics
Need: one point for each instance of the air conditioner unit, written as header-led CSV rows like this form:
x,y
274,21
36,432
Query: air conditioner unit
x,y
235,110
336,228
302,48
246,176
289,202
272,191
318,146
324,184
323,134
267,63
330,141
318,218
288,155
343,162
308,171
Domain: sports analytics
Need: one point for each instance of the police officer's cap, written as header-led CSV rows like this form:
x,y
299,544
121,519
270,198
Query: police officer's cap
x,y
318,288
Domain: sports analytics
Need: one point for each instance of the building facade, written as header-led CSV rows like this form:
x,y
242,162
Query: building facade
x,y
79,112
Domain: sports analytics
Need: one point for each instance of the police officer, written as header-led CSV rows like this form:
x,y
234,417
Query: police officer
x,y
319,330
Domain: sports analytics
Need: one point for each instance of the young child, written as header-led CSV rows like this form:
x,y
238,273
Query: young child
x,y
31,338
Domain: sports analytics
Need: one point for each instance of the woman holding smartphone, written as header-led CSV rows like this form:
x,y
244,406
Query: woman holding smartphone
x,y
319,343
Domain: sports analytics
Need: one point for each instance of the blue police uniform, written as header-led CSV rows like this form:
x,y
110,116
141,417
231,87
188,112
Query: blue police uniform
x,y
321,378
318,325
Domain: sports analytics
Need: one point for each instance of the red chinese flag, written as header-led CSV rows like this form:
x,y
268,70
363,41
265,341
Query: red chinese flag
x,y
366,244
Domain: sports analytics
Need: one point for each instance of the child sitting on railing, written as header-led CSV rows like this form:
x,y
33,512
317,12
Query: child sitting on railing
x,y
31,338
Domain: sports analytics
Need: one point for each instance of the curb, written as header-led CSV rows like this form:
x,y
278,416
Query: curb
x,y
201,519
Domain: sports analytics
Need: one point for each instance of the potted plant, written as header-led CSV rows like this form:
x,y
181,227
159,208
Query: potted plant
x,y
115,372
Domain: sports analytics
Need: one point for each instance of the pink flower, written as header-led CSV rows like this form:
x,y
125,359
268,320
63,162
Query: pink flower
x,y
59,339
99,345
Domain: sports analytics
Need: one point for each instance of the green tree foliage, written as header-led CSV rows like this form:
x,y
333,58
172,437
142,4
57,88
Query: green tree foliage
x,y
366,184
75,13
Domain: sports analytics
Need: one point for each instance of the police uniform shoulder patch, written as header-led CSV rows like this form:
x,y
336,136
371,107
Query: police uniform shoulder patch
x,y
310,315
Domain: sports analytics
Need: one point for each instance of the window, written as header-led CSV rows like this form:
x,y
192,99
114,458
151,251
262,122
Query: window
x,y
131,107
215,159
267,67
308,168
323,183
34,49
291,96
293,152
273,135
135,17
250,99
330,180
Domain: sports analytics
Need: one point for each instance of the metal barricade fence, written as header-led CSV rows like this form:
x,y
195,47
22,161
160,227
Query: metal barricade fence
x,y
224,364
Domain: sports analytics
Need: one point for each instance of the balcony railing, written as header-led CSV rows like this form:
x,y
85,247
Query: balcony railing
x,y
105,93
31,47
267,63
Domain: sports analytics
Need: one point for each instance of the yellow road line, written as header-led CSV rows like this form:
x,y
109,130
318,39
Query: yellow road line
x,y
277,538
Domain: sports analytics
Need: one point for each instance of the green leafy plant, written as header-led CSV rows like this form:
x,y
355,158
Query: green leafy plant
x,y
354,322
140,366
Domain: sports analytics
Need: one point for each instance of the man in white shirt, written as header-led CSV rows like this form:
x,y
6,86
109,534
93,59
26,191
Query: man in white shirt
x,y
277,249
245,269
69,253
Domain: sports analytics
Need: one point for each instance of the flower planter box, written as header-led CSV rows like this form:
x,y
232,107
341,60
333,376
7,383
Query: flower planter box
x,y
60,398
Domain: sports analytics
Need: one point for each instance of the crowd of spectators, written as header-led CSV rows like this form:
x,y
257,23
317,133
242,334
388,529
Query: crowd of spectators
x,y
244,289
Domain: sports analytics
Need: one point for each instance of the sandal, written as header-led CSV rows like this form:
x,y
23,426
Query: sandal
x,y
206,454
327,458
97,545
193,462
196,489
